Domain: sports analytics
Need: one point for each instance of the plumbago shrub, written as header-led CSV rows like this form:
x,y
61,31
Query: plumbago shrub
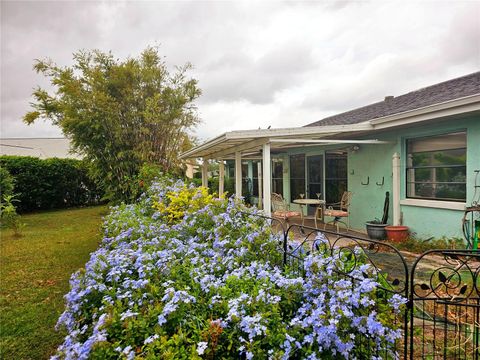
x,y
183,275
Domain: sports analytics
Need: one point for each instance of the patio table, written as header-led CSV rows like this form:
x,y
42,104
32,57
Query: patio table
x,y
320,204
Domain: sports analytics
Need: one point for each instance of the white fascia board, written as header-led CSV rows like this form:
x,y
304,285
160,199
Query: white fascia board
x,y
247,145
298,131
203,146
329,141
448,108
271,133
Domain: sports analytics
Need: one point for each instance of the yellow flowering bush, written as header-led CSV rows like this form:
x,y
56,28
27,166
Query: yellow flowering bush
x,y
176,203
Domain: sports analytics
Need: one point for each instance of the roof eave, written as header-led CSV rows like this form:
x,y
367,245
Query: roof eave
x,y
272,133
204,146
447,108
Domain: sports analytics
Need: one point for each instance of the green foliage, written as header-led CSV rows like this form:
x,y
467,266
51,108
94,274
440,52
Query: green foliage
x,y
51,183
9,216
178,202
228,184
148,173
120,114
415,245
182,275
6,183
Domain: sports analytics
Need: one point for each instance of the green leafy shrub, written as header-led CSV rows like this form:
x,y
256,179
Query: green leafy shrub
x,y
120,113
416,245
9,216
6,183
178,202
147,174
51,183
182,275
228,184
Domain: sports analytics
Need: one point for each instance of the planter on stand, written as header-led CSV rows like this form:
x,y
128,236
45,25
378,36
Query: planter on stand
x,y
397,233
376,230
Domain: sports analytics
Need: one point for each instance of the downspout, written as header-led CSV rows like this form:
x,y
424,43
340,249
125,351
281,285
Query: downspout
x,y
397,214
260,187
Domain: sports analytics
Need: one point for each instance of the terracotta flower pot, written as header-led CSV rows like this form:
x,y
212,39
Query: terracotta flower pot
x,y
396,233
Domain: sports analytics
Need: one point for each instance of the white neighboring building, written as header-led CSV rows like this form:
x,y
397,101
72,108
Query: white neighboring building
x,y
42,148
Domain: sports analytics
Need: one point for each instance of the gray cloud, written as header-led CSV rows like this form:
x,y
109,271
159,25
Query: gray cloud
x,y
259,64
236,76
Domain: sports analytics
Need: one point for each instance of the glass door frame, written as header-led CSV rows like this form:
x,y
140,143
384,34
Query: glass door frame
x,y
312,209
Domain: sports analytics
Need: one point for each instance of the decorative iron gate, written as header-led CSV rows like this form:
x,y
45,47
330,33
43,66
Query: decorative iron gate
x,y
442,316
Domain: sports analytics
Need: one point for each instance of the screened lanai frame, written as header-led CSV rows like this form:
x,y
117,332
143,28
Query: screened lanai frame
x,y
261,143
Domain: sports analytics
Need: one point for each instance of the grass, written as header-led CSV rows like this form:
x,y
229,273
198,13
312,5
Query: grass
x,y
34,275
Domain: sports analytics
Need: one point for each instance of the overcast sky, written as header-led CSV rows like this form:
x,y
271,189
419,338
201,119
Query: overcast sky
x,y
278,64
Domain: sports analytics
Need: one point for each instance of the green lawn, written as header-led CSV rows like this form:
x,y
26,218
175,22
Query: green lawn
x,y
34,274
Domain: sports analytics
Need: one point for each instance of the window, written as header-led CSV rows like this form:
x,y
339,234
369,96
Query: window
x,y
230,169
247,186
335,175
255,177
297,176
277,176
436,167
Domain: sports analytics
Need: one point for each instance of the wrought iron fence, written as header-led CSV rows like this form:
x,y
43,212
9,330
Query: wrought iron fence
x,y
442,317
445,305
356,251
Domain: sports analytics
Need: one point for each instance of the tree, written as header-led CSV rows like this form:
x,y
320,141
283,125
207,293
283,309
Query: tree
x,y
119,114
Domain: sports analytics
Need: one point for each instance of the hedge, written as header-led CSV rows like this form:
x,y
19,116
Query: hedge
x,y
50,183
6,183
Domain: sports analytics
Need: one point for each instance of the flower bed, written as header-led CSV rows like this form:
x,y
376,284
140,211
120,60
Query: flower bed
x,y
182,275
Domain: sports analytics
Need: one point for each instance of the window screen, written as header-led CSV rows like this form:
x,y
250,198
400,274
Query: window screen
x,y
436,167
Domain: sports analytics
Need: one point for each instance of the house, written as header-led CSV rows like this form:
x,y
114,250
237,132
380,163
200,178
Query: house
x,y
422,147
42,148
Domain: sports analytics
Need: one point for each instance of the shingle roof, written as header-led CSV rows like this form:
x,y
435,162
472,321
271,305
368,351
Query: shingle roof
x,y
449,90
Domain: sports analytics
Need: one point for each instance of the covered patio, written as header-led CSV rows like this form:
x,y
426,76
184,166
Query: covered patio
x,y
263,147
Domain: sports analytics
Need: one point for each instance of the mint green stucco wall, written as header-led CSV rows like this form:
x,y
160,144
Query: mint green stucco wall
x,y
428,222
375,162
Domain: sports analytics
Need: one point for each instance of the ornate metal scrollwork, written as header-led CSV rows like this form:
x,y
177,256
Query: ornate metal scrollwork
x,y
453,278
356,251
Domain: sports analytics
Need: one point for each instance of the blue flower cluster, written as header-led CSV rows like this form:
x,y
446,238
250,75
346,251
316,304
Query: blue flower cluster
x,y
212,285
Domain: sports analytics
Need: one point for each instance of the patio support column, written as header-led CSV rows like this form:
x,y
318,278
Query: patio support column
x,y
221,178
396,189
267,178
205,173
260,190
238,174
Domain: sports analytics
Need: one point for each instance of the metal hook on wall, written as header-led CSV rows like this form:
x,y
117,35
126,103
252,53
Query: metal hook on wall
x,y
368,181
383,181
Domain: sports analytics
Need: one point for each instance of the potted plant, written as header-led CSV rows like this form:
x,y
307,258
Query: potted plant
x,y
397,233
376,229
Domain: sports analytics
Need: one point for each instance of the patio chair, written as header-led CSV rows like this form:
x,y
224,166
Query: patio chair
x,y
339,211
281,210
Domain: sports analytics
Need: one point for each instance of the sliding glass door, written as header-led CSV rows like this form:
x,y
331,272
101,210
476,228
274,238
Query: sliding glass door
x,y
309,177
297,176
335,176
315,177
